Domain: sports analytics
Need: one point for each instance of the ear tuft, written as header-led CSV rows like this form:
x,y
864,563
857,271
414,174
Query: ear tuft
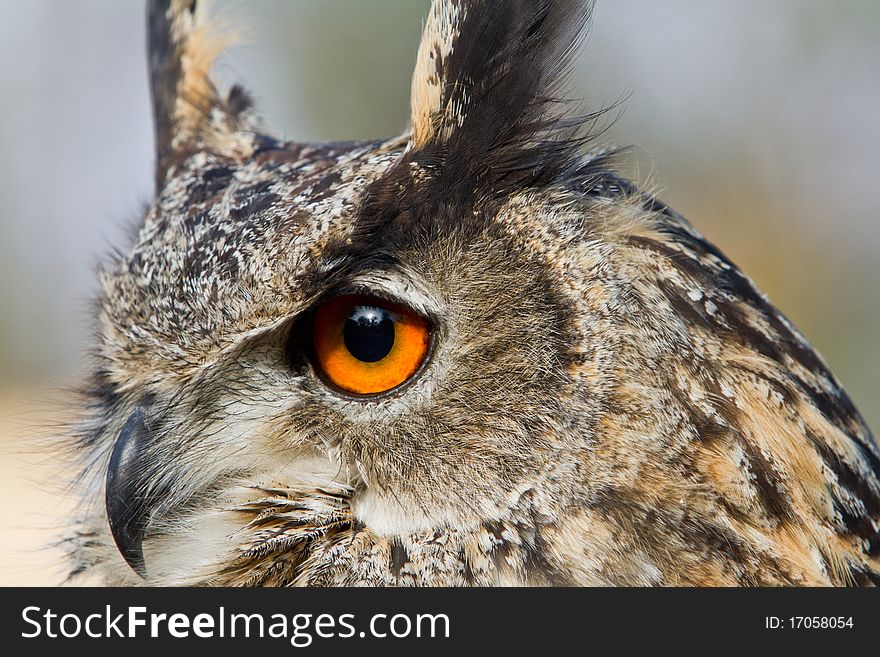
x,y
492,64
189,112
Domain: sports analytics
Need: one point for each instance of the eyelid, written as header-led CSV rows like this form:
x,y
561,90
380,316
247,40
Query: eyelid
x,y
395,288
359,289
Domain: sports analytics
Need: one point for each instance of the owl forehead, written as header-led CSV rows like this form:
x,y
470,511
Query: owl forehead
x,y
283,191
225,244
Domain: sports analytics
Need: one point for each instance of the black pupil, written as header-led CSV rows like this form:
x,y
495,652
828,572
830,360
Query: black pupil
x,y
369,333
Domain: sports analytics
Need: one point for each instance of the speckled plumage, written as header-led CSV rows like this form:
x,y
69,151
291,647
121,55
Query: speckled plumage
x,y
608,400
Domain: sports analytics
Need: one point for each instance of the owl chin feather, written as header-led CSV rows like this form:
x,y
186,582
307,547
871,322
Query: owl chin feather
x,y
594,395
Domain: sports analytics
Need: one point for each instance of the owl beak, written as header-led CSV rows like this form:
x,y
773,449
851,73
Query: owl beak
x,y
127,506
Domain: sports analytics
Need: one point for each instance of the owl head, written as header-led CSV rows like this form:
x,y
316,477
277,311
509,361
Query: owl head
x,y
470,354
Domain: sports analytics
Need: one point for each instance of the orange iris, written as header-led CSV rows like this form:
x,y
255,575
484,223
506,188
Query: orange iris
x,y
367,346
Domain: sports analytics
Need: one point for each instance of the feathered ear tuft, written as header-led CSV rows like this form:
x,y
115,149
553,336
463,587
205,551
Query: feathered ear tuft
x,y
488,74
189,112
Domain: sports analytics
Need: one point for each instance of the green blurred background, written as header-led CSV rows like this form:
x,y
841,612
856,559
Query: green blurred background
x,y
759,121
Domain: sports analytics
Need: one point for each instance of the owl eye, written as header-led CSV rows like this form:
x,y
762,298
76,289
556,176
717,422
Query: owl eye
x,y
368,346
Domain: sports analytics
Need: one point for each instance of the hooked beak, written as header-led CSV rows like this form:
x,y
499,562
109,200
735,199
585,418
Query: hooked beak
x,y
128,506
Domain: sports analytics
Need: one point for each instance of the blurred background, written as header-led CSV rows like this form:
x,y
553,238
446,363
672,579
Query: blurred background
x,y
759,121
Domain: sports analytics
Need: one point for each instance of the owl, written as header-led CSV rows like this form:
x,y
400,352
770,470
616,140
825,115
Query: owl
x,y
472,354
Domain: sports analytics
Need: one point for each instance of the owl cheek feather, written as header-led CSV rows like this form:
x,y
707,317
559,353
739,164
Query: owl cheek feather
x,y
128,505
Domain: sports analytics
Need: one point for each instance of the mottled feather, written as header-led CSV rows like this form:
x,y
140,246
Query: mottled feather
x,y
608,400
